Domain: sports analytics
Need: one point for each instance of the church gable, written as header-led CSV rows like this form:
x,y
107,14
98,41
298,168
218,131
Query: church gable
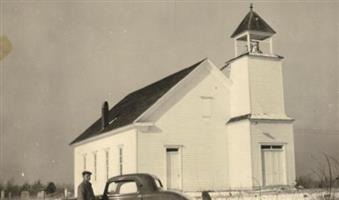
x,y
206,70
201,102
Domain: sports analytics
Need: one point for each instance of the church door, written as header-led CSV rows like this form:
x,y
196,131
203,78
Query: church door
x,y
174,179
273,165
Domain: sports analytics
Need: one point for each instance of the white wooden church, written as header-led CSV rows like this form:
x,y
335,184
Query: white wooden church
x,y
202,128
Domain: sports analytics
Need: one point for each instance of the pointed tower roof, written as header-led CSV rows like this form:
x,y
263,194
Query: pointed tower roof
x,y
253,22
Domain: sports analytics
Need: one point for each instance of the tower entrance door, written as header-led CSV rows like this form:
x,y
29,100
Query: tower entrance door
x,y
273,165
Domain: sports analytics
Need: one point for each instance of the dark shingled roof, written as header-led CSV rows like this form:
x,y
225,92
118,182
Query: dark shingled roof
x,y
134,104
253,22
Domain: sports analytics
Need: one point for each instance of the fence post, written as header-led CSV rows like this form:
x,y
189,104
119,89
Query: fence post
x,y
2,196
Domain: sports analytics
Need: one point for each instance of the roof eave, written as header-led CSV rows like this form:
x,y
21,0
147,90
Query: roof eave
x,y
106,134
266,34
269,56
254,118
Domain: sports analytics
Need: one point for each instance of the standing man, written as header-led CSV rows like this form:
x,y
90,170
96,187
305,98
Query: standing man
x,y
85,190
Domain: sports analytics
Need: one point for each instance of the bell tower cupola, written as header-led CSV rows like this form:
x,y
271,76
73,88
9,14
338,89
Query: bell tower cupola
x,y
253,36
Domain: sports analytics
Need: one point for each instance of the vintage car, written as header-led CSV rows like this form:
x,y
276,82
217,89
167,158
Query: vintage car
x,y
138,186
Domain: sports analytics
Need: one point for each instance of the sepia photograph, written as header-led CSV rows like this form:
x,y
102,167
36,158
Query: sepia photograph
x,y
169,100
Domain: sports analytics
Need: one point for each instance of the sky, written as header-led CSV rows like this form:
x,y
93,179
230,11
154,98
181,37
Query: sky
x,y
68,57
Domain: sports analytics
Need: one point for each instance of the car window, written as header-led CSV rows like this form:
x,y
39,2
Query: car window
x,y
122,187
128,187
112,187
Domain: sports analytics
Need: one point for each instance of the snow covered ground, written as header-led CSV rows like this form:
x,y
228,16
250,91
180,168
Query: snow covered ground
x,y
306,194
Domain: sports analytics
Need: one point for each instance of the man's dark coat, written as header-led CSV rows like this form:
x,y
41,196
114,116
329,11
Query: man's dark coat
x,y
85,191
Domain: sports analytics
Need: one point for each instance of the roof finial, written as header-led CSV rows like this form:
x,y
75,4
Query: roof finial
x,y
251,6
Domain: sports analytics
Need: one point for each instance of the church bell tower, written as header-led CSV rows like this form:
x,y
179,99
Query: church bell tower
x,y
260,134
256,71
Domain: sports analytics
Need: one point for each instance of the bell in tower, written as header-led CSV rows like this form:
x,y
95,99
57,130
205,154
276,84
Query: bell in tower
x,y
253,36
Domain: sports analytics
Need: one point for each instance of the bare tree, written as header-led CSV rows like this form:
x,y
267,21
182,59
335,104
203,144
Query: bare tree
x,y
327,171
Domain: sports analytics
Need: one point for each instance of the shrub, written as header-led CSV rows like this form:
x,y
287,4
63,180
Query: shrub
x,y
307,182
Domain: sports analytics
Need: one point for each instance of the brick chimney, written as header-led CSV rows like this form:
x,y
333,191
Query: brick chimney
x,y
104,115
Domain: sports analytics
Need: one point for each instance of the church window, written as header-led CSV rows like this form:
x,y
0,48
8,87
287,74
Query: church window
x,y
206,106
84,161
121,160
107,163
95,165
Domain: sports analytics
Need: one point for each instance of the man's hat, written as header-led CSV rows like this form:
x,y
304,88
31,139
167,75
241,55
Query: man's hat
x,y
86,172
